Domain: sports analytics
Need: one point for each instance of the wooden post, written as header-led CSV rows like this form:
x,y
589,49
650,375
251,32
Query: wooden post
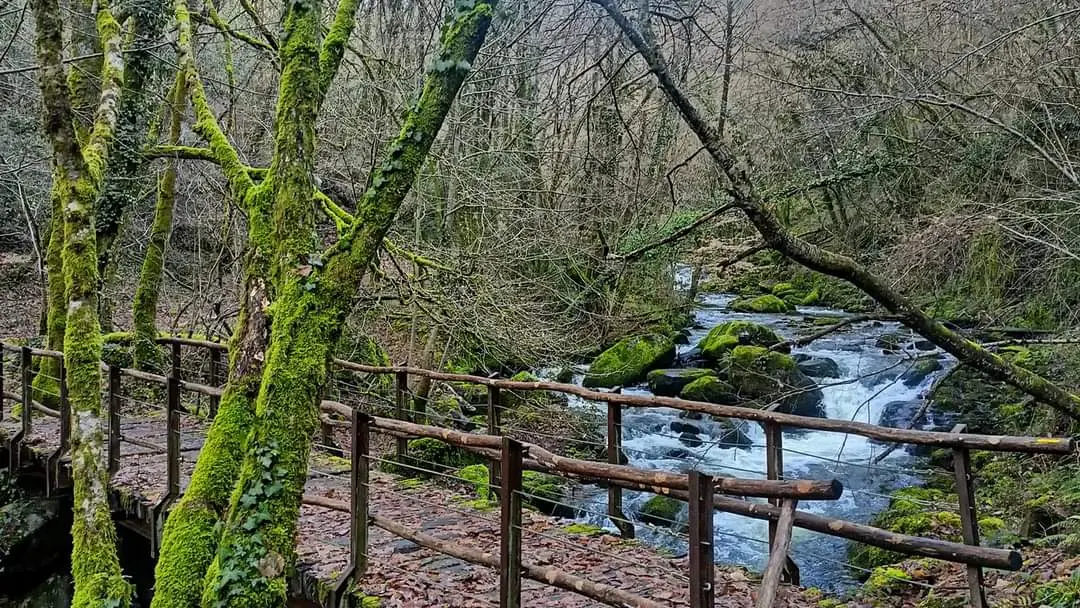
x,y
172,437
175,369
27,372
114,419
614,456
774,469
215,363
969,522
510,528
494,425
15,439
778,550
3,363
361,424
401,391
701,540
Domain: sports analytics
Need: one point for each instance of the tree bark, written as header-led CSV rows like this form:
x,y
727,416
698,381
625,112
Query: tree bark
x,y
313,294
78,171
147,354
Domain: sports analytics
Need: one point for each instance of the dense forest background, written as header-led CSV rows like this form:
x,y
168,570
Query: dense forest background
x,y
925,155
936,141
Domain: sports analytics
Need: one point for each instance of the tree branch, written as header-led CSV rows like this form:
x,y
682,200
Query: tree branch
x,y
741,189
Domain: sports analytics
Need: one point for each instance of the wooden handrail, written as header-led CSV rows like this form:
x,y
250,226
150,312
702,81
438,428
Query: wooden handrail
x,y
999,443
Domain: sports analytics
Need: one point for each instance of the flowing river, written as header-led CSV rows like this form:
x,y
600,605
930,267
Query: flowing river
x,y
870,385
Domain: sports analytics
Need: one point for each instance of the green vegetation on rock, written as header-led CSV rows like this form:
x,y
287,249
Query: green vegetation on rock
x,y
914,511
670,382
761,304
661,511
724,337
710,389
630,359
765,376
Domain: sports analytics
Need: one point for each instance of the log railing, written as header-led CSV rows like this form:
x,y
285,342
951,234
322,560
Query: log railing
x,y
508,458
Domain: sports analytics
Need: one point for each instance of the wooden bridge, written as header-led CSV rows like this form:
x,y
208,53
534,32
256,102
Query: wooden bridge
x,y
346,541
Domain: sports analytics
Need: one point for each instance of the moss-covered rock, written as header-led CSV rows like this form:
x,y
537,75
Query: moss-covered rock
x,y
761,304
670,382
710,389
914,511
919,371
724,337
630,359
767,376
662,511
427,454
546,493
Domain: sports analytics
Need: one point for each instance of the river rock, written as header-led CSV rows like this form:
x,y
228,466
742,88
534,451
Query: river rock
x,y
678,454
918,372
55,591
924,345
662,511
629,360
765,376
34,536
668,382
724,337
678,427
731,434
819,367
898,414
710,389
690,440
761,304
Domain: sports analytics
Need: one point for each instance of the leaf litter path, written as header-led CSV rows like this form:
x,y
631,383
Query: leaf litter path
x,y
401,573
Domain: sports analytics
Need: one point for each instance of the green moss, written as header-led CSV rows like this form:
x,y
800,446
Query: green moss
x,y
726,336
661,511
630,359
783,289
912,511
544,492
710,389
477,476
584,529
761,304
885,581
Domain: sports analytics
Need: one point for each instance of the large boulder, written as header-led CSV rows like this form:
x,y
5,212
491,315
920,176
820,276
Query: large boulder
x,y
710,389
766,376
630,359
731,434
818,367
662,511
34,537
669,382
726,336
761,304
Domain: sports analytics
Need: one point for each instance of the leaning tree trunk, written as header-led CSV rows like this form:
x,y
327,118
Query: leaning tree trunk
x,y
744,196
78,172
313,296
147,353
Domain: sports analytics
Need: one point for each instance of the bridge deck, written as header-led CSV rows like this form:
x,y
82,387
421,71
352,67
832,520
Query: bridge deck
x,y
400,572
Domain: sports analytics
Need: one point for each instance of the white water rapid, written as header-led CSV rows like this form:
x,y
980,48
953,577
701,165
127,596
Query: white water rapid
x,y
870,380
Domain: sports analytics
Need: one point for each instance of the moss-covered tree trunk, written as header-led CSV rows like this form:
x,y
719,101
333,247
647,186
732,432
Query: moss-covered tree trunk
x,y
78,171
147,354
123,185
313,295
46,387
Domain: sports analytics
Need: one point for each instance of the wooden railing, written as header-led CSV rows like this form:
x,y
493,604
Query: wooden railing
x,y
509,457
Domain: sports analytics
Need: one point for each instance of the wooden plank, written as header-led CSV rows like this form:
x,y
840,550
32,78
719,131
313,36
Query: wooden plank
x,y
778,551
700,518
969,521
998,443
510,526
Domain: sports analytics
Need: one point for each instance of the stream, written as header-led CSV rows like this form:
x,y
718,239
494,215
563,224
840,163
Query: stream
x,y
869,386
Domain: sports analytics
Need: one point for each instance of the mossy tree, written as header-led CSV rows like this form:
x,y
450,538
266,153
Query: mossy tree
x,y
311,290
79,167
